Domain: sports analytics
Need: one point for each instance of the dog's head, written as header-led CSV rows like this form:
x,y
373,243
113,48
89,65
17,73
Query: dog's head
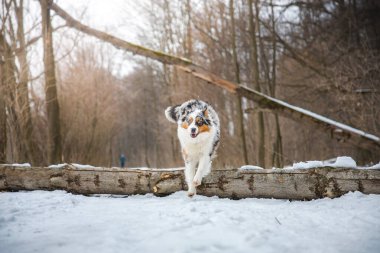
x,y
193,117
196,123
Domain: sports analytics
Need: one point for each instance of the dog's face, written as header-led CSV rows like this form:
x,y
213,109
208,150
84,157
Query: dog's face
x,y
193,119
196,123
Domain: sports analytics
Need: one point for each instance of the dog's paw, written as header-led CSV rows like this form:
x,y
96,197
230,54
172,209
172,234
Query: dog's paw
x,y
197,182
191,192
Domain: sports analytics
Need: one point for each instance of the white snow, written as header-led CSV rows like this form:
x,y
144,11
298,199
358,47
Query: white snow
x,y
57,221
159,169
339,162
344,162
307,165
57,166
90,167
376,166
84,167
250,167
19,164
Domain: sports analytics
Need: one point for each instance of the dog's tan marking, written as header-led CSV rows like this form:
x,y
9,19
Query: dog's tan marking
x,y
205,113
204,128
185,125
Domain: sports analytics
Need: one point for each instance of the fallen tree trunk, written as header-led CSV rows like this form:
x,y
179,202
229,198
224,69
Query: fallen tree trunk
x,y
235,184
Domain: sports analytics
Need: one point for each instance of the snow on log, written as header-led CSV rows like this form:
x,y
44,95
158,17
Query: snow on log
x,y
353,135
295,184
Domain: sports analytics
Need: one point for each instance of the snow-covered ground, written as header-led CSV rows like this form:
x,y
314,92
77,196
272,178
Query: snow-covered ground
x,y
57,221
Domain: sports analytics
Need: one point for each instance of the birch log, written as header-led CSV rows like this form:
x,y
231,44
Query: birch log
x,y
235,184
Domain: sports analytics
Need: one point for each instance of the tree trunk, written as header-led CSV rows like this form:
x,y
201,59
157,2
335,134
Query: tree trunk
x,y
189,38
52,106
303,184
22,89
18,150
256,74
3,115
237,80
277,159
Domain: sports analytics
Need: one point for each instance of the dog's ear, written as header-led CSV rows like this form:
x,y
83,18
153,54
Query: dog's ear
x,y
205,112
172,113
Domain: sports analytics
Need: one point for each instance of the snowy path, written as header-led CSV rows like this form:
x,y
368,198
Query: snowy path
x,y
57,221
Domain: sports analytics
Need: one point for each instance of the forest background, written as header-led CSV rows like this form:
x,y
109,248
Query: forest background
x,y
319,55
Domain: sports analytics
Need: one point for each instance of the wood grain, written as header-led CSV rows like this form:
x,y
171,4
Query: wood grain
x,y
235,184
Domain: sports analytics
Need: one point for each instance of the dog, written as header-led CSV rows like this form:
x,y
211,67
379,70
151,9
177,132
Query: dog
x,y
199,133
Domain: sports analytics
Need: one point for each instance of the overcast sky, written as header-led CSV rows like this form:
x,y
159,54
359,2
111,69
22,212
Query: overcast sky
x,y
120,17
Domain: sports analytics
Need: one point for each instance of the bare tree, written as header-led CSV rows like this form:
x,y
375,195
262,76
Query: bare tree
x,y
22,87
237,80
3,115
277,155
256,75
17,148
52,105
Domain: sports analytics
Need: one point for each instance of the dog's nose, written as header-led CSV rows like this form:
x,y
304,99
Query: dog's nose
x,y
193,130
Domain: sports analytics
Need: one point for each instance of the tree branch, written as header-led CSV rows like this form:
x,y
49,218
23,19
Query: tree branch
x,y
118,43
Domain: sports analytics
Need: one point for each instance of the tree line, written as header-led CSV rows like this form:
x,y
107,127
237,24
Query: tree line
x,y
320,55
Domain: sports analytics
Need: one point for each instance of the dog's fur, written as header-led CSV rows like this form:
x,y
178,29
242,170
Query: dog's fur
x,y
199,134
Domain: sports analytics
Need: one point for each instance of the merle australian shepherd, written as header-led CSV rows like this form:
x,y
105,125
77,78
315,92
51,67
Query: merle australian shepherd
x,y
198,133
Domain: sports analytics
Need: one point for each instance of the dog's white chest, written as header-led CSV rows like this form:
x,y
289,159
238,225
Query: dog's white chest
x,y
195,147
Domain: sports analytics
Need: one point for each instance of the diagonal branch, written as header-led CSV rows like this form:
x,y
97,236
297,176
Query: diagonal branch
x,y
118,43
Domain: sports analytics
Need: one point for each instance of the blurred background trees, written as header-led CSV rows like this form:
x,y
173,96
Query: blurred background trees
x,y
320,55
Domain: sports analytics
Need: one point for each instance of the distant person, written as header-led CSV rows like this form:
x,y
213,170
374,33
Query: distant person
x,y
122,160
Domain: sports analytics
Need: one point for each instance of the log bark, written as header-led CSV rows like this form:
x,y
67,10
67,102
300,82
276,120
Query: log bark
x,y
235,184
354,135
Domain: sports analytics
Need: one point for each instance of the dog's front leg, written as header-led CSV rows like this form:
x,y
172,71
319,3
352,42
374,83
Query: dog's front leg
x,y
189,176
204,168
